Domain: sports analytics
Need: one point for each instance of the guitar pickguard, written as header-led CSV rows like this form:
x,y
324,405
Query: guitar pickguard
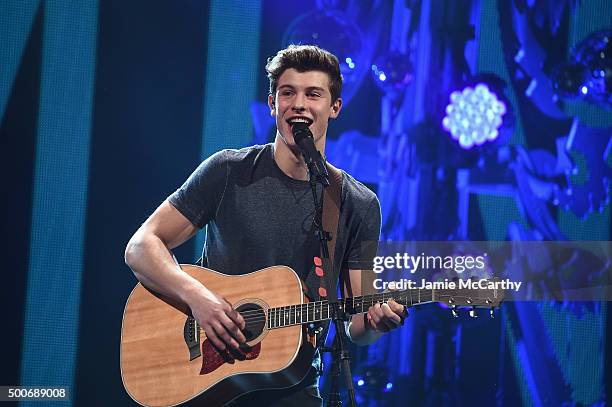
x,y
213,359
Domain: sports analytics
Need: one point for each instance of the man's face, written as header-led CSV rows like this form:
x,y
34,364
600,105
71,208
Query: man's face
x,y
303,96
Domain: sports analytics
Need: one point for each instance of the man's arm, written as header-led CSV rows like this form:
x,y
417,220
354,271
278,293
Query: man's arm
x,y
367,328
148,255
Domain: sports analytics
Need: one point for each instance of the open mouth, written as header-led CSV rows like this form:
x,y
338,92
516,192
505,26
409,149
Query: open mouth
x,y
294,120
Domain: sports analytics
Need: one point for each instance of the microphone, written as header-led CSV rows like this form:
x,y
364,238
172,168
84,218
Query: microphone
x,y
314,160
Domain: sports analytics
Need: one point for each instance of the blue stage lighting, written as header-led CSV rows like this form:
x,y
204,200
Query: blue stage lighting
x,y
360,382
392,72
349,62
474,116
588,74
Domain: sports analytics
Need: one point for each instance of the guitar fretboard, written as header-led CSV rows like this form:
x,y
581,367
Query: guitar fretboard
x,y
321,310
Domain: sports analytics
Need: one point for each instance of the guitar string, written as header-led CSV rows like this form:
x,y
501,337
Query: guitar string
x,y
426,295
287,318
281,320
292,309
287,314
375,299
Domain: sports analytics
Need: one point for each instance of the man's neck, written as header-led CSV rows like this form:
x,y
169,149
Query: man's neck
x,y
290,161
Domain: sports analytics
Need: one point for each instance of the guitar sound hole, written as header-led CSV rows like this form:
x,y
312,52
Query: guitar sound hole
x,y
254,318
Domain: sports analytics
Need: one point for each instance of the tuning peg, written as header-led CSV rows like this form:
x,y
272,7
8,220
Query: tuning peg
x,y
473,313
454,311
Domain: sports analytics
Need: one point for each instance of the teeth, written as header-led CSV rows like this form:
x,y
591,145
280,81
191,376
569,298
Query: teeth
x,y
300,121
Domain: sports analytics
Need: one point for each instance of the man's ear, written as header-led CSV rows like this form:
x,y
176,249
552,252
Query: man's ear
x,y
335,108
272,106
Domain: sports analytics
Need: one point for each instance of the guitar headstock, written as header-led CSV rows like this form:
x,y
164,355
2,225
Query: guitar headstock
x,y
481,293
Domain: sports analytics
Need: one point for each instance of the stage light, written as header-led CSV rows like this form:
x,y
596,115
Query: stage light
x,y
474,116
349,62
338,33
360,382
588,75
392,72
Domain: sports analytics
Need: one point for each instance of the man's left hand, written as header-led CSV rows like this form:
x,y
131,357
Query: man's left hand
x,y
386,316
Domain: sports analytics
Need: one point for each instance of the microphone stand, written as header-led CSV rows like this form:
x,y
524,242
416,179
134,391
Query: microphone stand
x,y
340,355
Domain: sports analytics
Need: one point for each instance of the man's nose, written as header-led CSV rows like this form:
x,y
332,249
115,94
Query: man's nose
x,y
298,103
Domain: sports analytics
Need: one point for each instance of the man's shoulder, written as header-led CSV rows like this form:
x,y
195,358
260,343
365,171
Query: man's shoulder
x,y
356,191
244,154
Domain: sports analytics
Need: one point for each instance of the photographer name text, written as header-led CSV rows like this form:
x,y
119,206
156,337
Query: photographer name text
x,y
470,284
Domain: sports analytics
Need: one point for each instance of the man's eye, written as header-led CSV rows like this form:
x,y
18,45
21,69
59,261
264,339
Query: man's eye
x,y
286,93
314,94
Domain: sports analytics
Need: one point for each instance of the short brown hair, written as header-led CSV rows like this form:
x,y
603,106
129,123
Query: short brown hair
x,y
305,58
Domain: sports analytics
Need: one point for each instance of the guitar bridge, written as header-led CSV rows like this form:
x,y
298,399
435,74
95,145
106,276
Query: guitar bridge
x,y
191,334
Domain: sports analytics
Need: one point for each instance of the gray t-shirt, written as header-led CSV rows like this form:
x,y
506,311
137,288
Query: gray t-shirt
x,y
257,216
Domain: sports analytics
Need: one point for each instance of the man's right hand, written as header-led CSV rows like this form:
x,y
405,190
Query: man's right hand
x,y
222,324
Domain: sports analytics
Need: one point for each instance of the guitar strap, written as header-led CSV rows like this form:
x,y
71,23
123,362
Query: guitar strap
x,y
332,198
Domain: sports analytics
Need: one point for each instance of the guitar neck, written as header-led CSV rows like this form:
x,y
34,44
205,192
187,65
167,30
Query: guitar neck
x,y
317,311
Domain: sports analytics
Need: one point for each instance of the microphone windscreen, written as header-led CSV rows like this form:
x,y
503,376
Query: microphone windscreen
x,y
300,131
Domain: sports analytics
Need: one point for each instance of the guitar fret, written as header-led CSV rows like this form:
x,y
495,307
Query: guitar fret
x,y
321,310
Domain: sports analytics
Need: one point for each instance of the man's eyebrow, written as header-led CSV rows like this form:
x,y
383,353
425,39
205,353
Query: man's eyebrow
x,y
308,88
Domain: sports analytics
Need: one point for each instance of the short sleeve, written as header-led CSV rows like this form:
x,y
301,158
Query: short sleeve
x,y
364,244
199,197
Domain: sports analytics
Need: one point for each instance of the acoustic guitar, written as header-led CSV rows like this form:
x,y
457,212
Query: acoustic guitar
x,y
166,359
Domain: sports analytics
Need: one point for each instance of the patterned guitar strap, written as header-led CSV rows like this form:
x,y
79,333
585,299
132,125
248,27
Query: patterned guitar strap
x,y
332,196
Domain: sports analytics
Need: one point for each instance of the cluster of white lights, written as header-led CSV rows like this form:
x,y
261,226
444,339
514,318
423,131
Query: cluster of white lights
x,y
474,116
349,62
379,73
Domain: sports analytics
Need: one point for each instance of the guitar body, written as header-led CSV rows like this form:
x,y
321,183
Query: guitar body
x,y
166,360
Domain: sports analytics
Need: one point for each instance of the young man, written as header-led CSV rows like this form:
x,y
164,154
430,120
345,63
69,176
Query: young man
x,y
258,207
